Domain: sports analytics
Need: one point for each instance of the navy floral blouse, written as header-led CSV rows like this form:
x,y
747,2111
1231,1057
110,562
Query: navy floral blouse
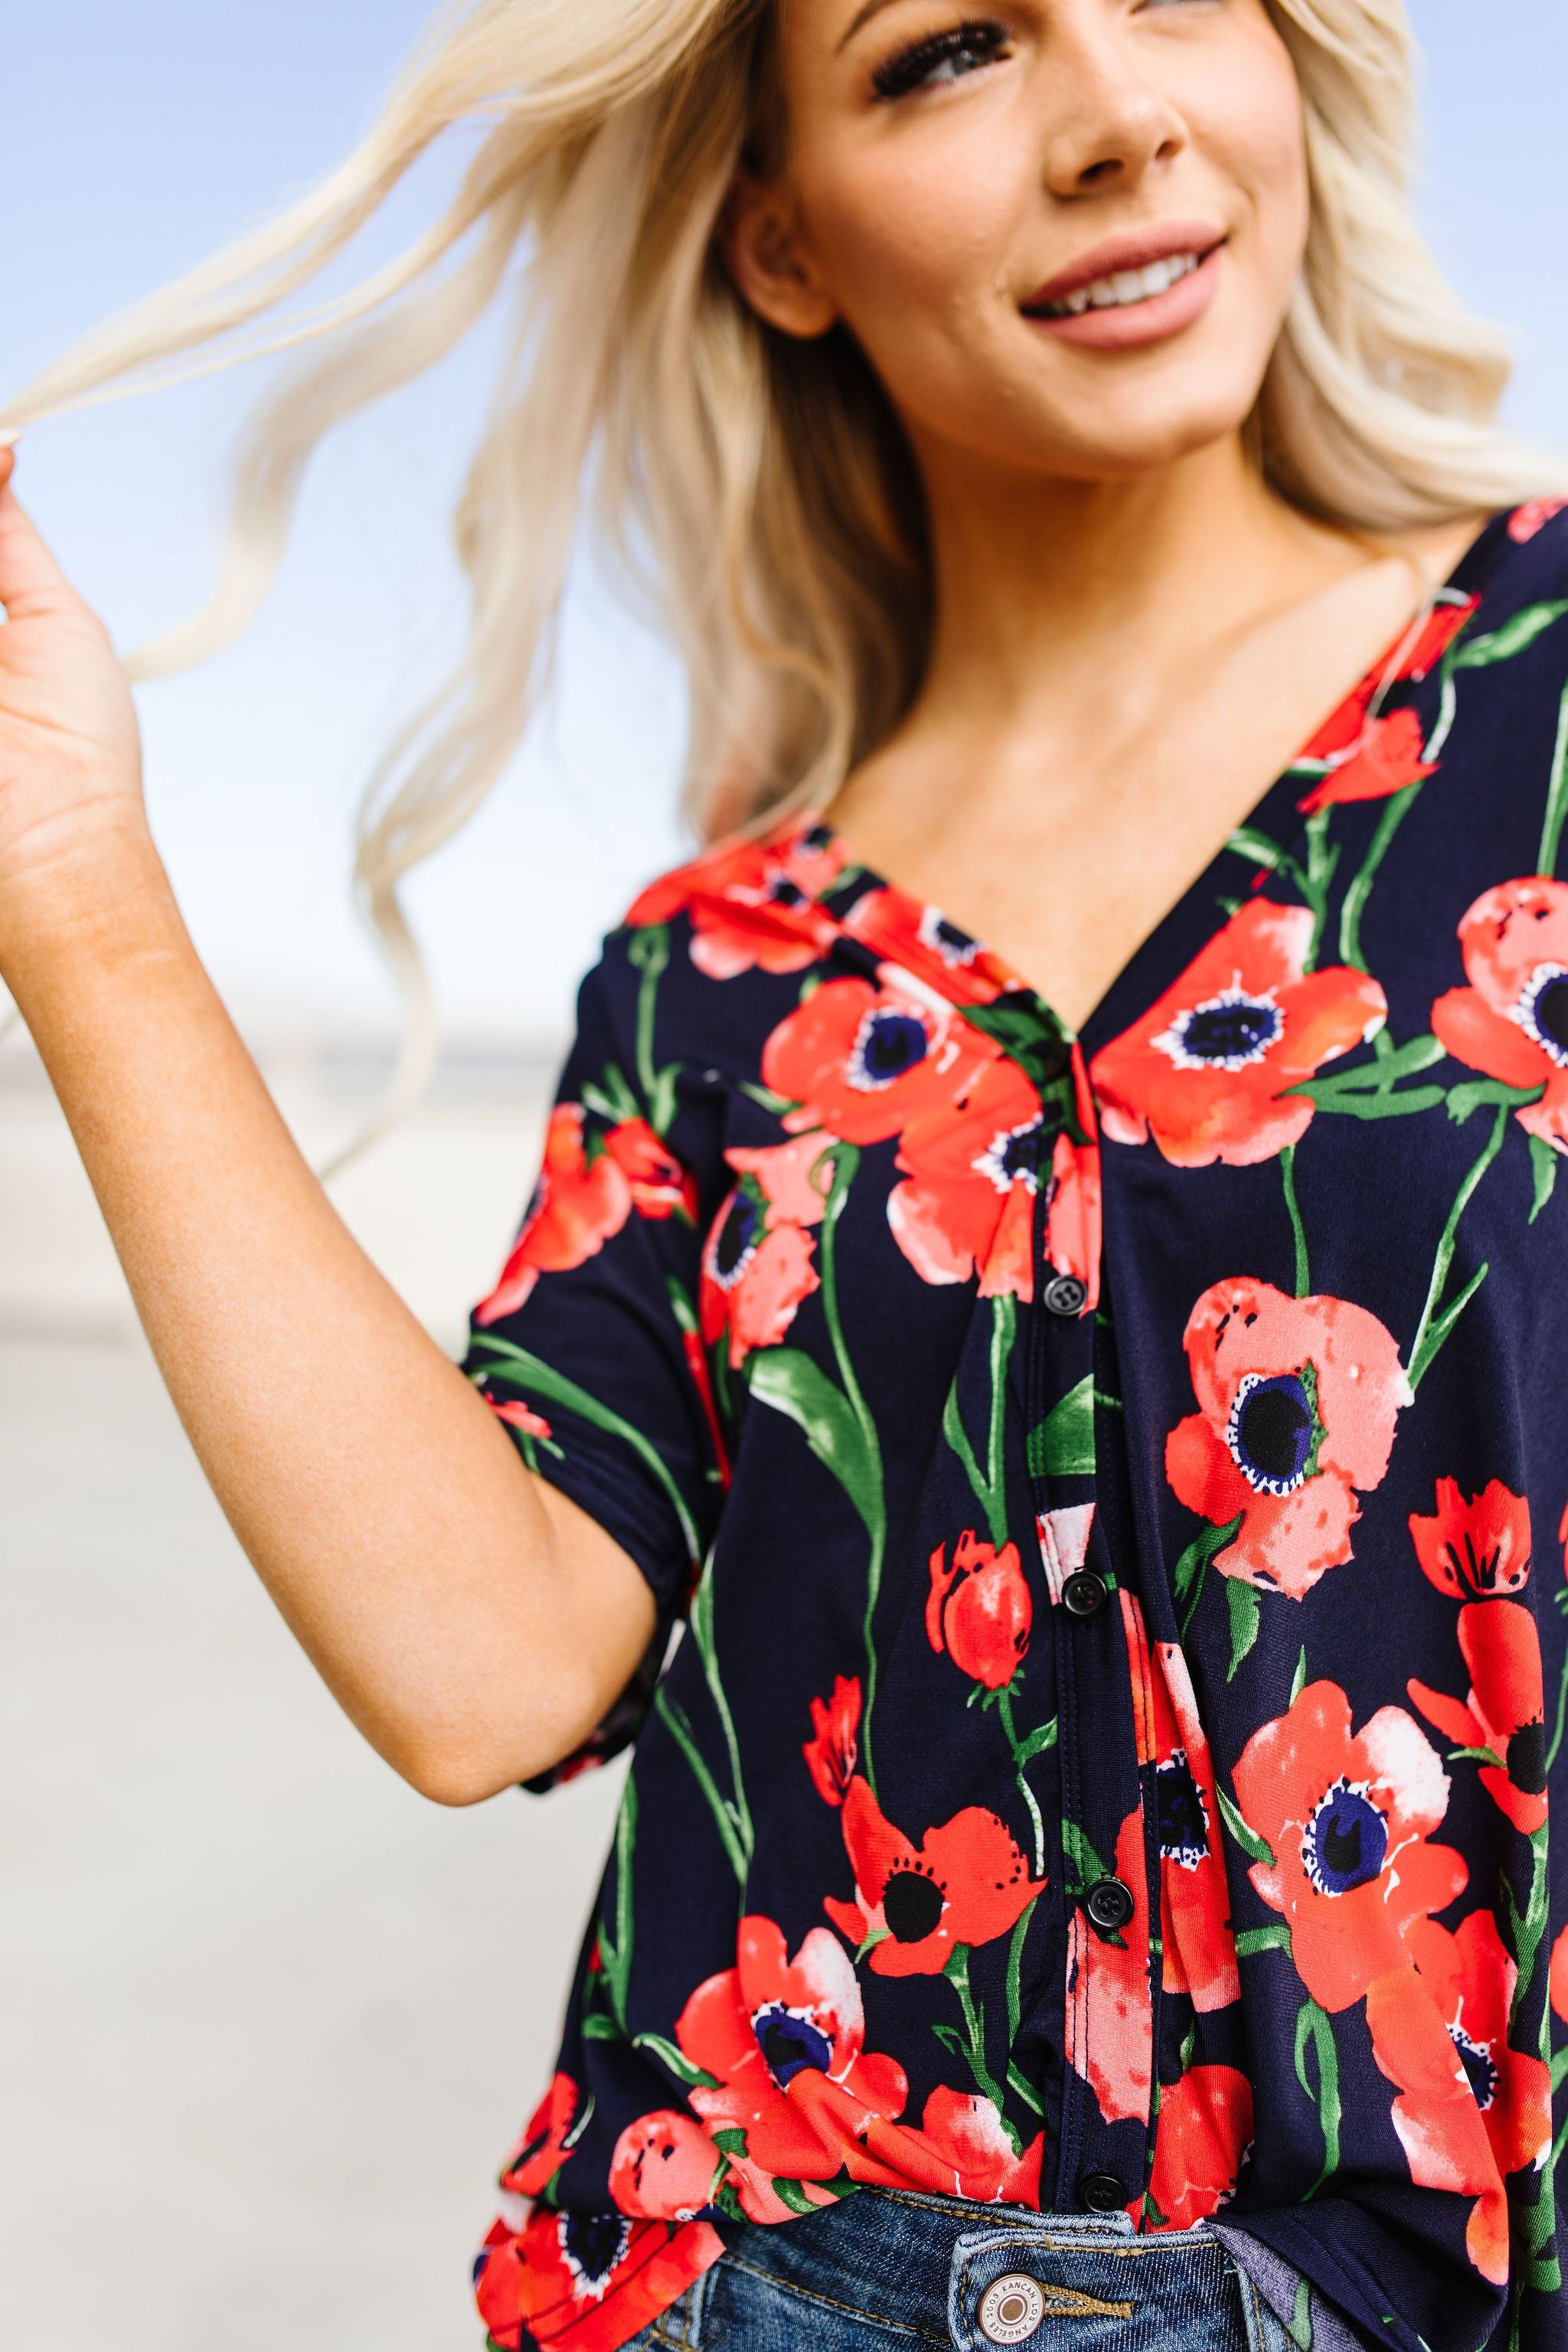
x,y
1113,1493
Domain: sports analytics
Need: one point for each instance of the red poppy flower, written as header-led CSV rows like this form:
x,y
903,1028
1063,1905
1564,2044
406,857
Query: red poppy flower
x,y
1559,1976
1297,1399
1198,1947
1512,1019
1529,520
542,2149
1437,632
961,2148
663,2167
783,2041
1207,1071
1471,1978
582,1198
756,1260
1346,1817
1201,2135
517,1415
1506,1710
1459,2115
965,1883
831,1751
750,903
1384,759
979,1610
659,1185
972,1169
867,1061
919,940
1109,2015
1476,1545
586,2282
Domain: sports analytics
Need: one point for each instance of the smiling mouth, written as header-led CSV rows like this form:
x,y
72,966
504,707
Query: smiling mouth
x,y
1123,288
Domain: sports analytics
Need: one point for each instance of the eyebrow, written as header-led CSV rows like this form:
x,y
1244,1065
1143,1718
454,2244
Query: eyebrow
x,y
863,16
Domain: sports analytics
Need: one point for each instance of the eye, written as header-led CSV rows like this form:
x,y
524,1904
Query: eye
x,y
941,57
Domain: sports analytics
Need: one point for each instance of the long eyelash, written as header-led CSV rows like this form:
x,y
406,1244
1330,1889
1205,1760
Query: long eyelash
x,y
909,67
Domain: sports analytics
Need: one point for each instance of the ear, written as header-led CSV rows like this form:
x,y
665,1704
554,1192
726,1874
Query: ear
x,y
770,260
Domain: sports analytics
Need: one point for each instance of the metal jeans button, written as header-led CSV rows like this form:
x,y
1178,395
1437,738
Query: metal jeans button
x,y
1011,2308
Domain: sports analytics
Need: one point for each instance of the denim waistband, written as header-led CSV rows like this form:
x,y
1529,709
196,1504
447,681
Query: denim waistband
x,y
919,2268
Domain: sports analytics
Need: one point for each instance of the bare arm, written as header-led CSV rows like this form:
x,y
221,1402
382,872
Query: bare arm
x,y
472,1622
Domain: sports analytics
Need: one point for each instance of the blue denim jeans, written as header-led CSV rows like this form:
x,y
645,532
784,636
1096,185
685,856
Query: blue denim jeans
x,y
890,2270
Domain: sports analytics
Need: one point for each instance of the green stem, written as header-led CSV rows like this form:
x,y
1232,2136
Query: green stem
x,y
957,1974
1303,1263
1394,812
1436,1327
1015,1965
1315,2031
650,952
1317,881
1005,1709
845,1158
1003,1327
1562,1711
702,1619
723,1819
1556,798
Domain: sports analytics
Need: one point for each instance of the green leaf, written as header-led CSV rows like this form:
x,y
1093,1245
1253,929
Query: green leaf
x,y
950,2039
1082,1860
797,1387
1248,1839
1298,1679
1245,1619
522,1369
1205,1547
1062,1446
1516,636
1250,1941
730,2141
1248,842
598,2027
1030,1034
680,2064
1024,2089
1037,1741
1409,1105
1543,1166
1315,2031
790,2193
1487,1093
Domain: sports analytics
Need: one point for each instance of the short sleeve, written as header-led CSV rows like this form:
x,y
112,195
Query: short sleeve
x,y
588,1347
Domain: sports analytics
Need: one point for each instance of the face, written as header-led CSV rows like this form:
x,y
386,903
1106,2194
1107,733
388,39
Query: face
x,y
1064,234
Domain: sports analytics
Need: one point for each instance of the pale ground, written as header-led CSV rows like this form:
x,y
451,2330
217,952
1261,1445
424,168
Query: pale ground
x,y
268,2021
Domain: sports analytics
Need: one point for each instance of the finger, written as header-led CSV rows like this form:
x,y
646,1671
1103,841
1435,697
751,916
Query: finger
x,y
31,582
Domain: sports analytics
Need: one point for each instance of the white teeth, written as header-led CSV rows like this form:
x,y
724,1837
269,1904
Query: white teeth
x,y
1124,288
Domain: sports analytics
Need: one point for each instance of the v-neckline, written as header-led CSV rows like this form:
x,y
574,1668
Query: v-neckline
x,y
951,949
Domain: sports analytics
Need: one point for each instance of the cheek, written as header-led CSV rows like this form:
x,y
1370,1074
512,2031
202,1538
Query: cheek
x,y
915,240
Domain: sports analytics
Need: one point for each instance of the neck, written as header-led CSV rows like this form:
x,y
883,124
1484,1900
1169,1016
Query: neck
x,y
1046,587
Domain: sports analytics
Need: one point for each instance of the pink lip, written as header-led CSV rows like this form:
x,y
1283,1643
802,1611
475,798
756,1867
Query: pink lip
x,y
1134,250
1140,323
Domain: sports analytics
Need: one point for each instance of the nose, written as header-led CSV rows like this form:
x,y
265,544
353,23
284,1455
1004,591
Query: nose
x,y
1110,123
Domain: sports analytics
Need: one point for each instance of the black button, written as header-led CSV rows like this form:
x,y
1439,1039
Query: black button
x,y
1102,2193
1066,1295
1084,1594
1109,1905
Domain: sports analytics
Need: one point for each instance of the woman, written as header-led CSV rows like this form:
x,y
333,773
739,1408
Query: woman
x,y
1090,1397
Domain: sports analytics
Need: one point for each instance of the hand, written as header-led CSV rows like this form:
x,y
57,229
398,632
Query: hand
x,y
71,759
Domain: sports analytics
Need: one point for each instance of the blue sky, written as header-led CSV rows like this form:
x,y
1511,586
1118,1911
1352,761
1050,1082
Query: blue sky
x,y
137,139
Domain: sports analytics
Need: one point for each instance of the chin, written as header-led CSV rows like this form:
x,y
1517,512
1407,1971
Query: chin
x,y
1119,438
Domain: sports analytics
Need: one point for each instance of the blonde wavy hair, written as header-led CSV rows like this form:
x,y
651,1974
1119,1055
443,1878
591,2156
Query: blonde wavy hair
x,y
762,490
